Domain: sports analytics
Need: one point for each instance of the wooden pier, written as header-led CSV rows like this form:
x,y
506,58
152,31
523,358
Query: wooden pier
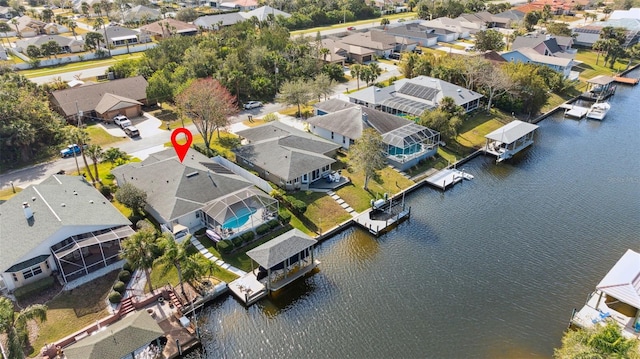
x,y
574,110
626,80
382,218
447,177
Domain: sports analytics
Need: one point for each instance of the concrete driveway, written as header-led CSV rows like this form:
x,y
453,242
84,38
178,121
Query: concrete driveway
x,y
147,124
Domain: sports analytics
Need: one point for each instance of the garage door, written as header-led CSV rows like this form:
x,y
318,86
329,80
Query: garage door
x,y
132,112
366,58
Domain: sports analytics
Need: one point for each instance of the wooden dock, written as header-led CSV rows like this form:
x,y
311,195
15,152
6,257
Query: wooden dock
x,y
447,177
574,110
378,224
626,80
248,289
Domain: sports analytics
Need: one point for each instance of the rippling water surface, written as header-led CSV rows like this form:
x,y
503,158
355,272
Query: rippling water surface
x,y
490,269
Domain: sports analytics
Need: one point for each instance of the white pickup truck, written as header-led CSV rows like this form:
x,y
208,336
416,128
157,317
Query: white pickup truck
x,y
122,121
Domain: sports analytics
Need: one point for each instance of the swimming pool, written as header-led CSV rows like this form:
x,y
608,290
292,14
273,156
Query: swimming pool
x,y
414,148
242,217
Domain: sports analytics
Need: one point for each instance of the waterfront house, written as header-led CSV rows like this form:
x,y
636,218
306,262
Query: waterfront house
x,y
215,22
407,143
562,65
184,196
62,226
547,45
616,298
414,96
509,139
588,35
262,13
101,100
290,158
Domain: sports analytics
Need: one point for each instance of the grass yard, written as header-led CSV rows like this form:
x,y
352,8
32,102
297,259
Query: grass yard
x,y
73,310
313,31
293,111
436,162
254,123
77,66
453,46
387,181
217,144
100,136
168,113
322,212
588,68
473,130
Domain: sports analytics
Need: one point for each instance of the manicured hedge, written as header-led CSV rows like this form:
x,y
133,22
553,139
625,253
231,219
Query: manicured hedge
x,y
127,267
119,287
33,288
115,297
273,223
285,217
224,246
237,241
248,236
124,276
263,228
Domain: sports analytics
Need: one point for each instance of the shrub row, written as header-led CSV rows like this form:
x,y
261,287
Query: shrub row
x,y
124,276
115,297
266,227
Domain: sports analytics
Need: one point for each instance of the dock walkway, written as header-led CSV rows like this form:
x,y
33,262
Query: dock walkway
x,y
447,177
574,110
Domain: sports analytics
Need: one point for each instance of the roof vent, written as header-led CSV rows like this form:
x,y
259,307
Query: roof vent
x,y
91,201
189,175
28,212
33,199
459,90
75,193
63,205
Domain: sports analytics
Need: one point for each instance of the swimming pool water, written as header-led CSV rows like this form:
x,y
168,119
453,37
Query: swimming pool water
x,y
242,217
396,151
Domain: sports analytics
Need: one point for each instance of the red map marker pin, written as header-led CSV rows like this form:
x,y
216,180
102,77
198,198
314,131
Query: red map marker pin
x,y
181,149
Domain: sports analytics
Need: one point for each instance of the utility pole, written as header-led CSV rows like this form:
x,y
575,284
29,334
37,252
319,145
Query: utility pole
x,y
75,154
275,72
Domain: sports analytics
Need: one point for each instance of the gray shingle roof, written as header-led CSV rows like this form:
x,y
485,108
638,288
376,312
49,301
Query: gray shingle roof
x,y
412,30
333,105
175,189
87,97
280,248
119,32
117,340
263,12
84,207
211,21
512,131
111,102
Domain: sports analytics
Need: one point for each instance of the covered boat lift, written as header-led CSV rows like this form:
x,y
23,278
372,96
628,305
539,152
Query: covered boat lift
x,y
600,88
509,139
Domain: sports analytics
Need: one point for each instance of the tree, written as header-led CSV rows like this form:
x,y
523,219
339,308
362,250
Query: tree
x,y
559,29
494,83
546,15
131,196
408,64
613,50
366,154
14,325
47,15
72,26
96,153
195,267
531,19
606,11
85,8
448,105
322,86
106,6
92,40
356,71
28,126
187,15
384,21
114,156
599,46
295,93
599,341
96,26
633,53
140,250
442,122
14,21
50,48
173,254
489,40
209,105
33,51
97,8
80,136
5,28
324,52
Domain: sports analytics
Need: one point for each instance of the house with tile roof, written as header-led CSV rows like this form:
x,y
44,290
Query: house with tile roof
x,y
414,96
290,158
61,226
124,95
341,122
197,192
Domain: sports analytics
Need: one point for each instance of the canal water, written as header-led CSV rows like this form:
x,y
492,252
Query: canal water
x,y
490,269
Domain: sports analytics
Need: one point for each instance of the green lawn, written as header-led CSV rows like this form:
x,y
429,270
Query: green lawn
x,y
588,69
100,136
473,130
404,15
168,113
77,66
73,310
436,162
322,212
388,181
217,144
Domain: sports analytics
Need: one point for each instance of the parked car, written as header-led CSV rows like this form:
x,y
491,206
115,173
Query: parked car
x,y
71,150
252,104
131,131
351,28
417,50
122,121
394,56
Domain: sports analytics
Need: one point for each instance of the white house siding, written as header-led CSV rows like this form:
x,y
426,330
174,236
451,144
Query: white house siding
x,y
326,134
191,220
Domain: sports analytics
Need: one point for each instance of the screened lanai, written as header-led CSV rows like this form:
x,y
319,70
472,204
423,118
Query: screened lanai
x,y
410,141
82,254
239,212
402,105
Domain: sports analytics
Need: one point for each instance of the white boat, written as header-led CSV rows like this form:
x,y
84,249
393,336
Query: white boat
x,y
598,110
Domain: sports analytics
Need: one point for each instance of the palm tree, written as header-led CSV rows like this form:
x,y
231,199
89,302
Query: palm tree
x,y
96,26
14,325
173,254
4,27
96,153
114,155
140,251
72,26
324,52
633,52
356,71
79,136
195,267
85,8
14,21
